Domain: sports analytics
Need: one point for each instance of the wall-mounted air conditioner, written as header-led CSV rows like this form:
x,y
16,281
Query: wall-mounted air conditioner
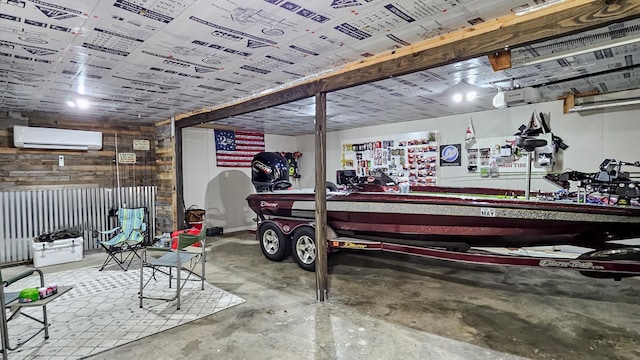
x,y
522,96
50,138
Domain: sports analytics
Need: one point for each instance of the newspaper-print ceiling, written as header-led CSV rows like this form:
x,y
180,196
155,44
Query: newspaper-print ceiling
x,y
148,60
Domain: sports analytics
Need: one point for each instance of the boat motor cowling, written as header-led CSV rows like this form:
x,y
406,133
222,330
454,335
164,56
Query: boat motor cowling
x,y
270,171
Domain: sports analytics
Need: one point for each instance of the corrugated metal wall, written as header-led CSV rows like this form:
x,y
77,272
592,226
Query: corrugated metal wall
x,y
25,215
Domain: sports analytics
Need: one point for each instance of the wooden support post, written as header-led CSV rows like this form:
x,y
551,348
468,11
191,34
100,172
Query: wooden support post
x,y
321,197
178,205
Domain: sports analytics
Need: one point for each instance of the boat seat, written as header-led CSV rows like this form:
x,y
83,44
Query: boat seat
x,y
529,143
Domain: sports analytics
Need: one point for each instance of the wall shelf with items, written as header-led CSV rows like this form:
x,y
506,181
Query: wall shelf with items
x,y
491,157
411,157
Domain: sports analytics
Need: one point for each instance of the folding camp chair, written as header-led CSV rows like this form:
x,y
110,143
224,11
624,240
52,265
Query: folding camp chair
x,y
9,304
128,239
184,253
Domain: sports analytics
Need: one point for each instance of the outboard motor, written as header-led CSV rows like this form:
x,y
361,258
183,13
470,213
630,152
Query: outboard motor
x,y
270,171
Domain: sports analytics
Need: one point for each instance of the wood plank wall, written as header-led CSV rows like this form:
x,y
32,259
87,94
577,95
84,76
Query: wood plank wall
x,y
166,213
38,169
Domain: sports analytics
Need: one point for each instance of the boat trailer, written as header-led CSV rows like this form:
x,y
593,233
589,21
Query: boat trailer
x,y
615,269
278,235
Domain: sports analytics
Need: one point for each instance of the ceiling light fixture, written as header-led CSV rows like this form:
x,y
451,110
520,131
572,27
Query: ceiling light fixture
x,y
470,96
526,9
79,103
578,108
575,52
462,92
82,103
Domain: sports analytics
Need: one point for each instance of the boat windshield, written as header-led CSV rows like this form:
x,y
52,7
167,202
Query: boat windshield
x,y
381,178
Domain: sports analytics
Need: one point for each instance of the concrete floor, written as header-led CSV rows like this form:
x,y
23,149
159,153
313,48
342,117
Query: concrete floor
x,y
386,306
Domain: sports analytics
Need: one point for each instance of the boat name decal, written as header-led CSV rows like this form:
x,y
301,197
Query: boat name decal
x,y
488,212
352,245
570,264
266,169
264,204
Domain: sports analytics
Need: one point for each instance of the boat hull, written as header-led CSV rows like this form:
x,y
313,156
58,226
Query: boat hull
x,y
423,218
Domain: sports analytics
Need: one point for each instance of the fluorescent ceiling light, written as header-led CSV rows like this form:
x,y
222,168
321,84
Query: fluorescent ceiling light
x,y
529,9
457,97
604,105
575,52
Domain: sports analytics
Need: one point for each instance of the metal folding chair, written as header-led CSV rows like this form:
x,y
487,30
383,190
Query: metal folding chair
x,y
183,254
10,304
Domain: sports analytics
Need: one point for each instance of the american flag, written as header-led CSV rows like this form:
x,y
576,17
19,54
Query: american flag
x,y
237,148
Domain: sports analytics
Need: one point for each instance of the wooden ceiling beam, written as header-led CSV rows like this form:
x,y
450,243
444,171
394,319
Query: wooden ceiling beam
x,y
560,20
216,126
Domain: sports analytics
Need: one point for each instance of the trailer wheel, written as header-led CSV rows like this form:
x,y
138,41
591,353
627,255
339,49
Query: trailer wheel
x,y
273,242
303,248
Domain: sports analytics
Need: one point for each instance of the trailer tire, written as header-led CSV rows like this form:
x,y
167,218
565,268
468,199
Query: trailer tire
x,y
273,242
303,248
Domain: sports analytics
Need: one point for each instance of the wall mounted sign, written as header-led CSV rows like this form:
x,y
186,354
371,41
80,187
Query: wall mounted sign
x,y
141,145
450,155
126,158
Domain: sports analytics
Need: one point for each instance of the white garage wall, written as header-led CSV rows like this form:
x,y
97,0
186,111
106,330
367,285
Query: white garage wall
x,y
220,191
591,139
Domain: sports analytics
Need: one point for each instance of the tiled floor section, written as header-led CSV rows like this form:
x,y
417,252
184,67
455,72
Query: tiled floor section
x,y
102,311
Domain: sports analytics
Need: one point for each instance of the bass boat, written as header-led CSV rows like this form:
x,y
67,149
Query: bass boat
x,y
376,210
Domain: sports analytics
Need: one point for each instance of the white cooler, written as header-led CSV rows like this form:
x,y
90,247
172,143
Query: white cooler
x,y
57,252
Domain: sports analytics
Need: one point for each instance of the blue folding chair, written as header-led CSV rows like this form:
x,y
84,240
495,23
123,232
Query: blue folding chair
x,y
129,237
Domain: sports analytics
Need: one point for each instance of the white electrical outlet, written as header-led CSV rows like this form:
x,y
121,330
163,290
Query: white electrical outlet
x,y
61,160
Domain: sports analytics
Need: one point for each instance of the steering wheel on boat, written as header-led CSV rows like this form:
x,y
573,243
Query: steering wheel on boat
x,y
281,185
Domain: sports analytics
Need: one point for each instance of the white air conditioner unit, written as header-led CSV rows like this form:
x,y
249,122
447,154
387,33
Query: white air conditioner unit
x,y
50,138
522,96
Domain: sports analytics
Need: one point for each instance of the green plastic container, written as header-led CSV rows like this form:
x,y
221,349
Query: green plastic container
x,y
29,295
